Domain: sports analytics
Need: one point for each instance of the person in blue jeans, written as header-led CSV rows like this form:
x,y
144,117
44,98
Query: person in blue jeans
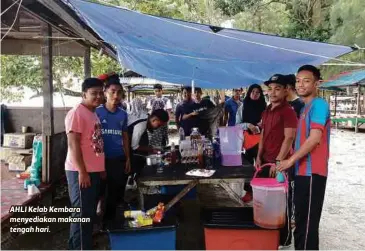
x,y
84,162
114,122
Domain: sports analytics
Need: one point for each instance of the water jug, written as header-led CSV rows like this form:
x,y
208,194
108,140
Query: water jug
x,y
231,139
269,201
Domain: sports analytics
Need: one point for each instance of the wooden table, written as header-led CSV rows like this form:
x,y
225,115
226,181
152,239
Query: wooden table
x,y
175,175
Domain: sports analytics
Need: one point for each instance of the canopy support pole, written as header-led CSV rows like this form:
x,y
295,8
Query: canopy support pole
x,y
335,104
47,119
87,62
192,86
358,107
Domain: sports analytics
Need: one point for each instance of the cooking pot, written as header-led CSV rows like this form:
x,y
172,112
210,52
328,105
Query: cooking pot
x,y
151,160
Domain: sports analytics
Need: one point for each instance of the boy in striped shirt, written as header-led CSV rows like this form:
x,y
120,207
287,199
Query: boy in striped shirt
x,y
310,159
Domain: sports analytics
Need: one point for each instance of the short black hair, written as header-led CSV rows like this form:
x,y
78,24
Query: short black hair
x,y
91,83
198,89
291,80
157,86
316,72
187,88
161,114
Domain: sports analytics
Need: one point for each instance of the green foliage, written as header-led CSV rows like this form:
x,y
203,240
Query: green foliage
x,y
18,72
348,22
234,7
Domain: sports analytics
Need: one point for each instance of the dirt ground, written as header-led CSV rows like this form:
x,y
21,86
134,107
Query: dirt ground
x,y
342,225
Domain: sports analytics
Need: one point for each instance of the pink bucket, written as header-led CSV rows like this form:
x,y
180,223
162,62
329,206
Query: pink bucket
x,y
269,201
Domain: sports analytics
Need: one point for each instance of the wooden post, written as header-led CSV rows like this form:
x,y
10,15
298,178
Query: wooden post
x,y
87,62
47,119
335,103
358,107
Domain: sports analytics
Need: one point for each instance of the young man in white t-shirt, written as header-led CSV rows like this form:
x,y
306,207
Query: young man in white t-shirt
x,y
157,103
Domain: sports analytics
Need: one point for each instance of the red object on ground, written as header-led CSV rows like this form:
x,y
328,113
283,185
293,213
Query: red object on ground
x,y
241,239
247,198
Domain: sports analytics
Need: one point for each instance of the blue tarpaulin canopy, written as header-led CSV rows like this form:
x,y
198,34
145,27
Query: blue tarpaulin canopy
x,y
178,52
346,79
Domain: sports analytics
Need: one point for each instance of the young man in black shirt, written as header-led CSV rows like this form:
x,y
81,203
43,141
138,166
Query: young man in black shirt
x,y
293,98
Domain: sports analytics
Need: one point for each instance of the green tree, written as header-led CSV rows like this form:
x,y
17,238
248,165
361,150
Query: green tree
x,y
348,22
18,72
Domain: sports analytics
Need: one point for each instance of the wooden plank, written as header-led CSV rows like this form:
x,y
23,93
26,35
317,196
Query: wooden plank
x,y
87,62
7,18
179,196
47,118
231,193
187,181
10,46
53,6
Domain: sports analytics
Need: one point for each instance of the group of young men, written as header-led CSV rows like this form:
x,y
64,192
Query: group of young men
x,y
101,143
102,140
295,136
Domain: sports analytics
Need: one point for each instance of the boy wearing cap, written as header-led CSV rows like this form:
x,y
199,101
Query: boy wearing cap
x,y
310,159
293,98
279,123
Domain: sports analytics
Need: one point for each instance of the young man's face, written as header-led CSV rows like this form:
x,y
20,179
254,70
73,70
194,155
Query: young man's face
x,y
113,94
306,84
236,94
186,95
158,93
155,122
277,93
198,95
93,97
255,94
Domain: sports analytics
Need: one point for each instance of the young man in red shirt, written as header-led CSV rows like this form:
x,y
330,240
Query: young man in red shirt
x,y
279,123
310,159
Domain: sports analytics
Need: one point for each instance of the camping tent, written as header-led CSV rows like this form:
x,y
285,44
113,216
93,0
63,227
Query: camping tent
x,y
178,52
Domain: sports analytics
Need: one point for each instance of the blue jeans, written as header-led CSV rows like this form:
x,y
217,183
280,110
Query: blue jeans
x,y
86,199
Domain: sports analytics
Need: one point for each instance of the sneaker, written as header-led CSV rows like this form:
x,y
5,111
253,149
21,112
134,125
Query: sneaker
x,y
247,198
285,247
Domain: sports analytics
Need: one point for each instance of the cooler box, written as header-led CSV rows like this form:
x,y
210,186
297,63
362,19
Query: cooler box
x,y
233,229
160,236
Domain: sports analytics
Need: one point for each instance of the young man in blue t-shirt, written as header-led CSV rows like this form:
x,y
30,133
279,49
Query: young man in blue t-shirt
x,y
116,147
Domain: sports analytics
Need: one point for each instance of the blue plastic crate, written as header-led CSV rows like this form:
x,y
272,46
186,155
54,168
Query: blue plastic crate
x,y
163,238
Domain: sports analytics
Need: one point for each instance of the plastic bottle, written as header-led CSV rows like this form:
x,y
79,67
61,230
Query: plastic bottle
x,y
173,154
208,156
181,134
217,152
159,163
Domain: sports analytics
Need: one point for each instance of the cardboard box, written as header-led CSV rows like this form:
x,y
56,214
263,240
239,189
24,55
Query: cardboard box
x,y
18,140
18,162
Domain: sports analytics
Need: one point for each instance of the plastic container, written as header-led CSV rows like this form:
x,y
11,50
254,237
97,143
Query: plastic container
x,y
231,139
160,236
234,229
269,201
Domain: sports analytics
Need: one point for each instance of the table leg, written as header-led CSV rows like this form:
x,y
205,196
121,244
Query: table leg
x,y
231,193
141,198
